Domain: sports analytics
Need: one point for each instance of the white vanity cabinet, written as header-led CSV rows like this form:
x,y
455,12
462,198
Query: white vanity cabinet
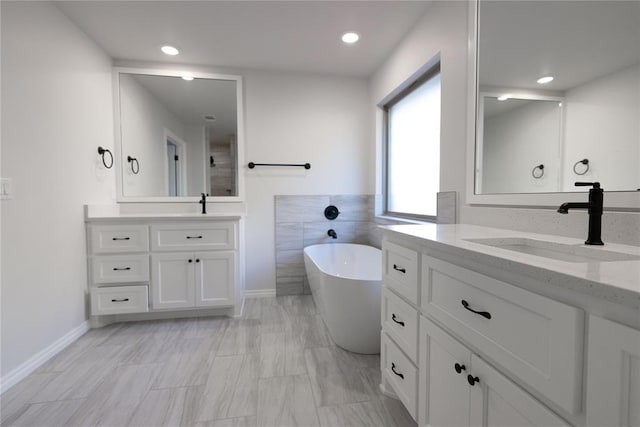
x,y
145,264
458,388
613,374
477,336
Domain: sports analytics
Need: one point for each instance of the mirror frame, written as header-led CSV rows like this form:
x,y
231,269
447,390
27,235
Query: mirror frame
x,y
120,196
613,200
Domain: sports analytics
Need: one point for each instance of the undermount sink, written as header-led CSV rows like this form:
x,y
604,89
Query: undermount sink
x,y
556,251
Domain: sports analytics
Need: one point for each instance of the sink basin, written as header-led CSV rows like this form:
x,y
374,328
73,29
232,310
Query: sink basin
x,y
556,251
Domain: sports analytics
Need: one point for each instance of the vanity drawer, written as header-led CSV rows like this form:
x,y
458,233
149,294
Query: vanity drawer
x,y
400,270
400,321
108,239
400,373
120,268
219,235
537,339
119,299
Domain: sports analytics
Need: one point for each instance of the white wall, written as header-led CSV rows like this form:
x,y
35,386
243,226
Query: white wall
x,y
296,118
602,118
516,141
197,161
444,29
57,109
143,120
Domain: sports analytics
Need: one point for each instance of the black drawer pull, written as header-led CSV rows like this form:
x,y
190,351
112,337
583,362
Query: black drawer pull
x,y
121,268
393,368
472,380
459,368
197,259
395,319
400,269
194,237
121,238
120,300
484,314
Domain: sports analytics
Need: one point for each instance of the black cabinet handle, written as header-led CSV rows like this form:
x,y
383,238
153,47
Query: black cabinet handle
x,y
484,314
197,259
121,268
121,238
459,368
120,300
190,260
393,368
194,237
393,317
472,380
400,269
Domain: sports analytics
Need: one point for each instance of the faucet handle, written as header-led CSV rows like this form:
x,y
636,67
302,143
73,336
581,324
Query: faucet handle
x,y
588,184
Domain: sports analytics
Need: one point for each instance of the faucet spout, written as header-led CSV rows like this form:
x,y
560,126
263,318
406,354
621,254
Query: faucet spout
x,y
564,208
332,233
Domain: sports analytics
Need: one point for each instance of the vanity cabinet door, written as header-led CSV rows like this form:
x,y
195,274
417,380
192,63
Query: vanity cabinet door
x,y
613,374
215,278
172,279
498,402
444,390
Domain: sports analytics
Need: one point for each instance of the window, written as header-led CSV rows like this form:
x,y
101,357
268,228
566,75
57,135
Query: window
x,y
413,148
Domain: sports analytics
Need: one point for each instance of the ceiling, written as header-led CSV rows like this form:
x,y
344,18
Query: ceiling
x,y
300,36
574,41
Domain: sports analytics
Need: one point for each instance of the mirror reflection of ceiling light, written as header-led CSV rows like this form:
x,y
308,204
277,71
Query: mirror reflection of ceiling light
x,y
169,50
350,37
545,80
504,97
187,77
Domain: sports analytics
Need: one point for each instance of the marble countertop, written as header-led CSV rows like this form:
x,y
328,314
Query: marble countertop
x,y
617,281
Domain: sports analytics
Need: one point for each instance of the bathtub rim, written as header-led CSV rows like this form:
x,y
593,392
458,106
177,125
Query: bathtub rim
x,y
359,279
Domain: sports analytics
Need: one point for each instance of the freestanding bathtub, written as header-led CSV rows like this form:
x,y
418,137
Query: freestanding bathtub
x,y
346,284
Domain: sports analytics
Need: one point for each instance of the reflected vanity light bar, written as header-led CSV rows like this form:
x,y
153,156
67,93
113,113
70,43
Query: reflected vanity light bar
x,y
504,97
545,80
187,77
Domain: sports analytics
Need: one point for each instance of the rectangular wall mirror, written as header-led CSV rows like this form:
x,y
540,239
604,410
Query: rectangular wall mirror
x,y
583,125
178,137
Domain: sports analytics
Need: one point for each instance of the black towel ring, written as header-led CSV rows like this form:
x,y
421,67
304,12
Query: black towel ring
x,y
540,174
584,162
102,152
135,166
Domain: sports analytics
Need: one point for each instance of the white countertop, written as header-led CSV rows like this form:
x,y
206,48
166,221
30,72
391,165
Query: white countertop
x,y
617,281
166,211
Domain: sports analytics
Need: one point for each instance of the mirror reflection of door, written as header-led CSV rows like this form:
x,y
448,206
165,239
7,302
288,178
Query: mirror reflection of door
x,y
175,166
172,162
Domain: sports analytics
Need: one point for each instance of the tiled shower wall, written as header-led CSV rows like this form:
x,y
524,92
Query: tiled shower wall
x,y
300,222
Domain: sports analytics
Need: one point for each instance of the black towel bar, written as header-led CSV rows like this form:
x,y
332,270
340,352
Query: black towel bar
x,y
253,165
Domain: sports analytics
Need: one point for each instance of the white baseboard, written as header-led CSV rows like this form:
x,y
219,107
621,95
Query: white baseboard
x,y
22,371
260,293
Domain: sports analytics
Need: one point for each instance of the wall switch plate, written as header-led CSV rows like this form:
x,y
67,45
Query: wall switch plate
x,y
6,188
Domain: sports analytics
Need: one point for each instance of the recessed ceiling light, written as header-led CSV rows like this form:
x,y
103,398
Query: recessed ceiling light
x,y
187,77
545,80
169,50
504,97
350,37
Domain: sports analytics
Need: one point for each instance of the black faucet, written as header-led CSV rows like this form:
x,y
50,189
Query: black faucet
x,y
332,233
203,202
594,208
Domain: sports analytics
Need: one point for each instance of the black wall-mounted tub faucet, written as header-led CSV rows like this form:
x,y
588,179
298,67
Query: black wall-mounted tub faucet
x,y
203,202
332,233
594,207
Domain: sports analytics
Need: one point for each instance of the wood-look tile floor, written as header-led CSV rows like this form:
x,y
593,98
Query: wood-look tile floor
x,y
276,366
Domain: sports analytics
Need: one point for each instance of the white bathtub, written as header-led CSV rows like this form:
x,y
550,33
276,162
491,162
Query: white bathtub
x,y
346,284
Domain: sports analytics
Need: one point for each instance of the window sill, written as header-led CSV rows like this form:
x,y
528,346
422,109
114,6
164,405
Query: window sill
x,y
385,218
